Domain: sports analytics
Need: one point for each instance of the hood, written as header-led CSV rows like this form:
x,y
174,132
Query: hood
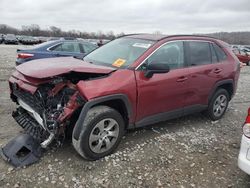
x,y
49,67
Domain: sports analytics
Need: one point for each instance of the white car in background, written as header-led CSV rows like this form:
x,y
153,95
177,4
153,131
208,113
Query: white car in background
x,y
244,156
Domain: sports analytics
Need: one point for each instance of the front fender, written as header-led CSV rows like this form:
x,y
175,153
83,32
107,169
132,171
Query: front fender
x,y
93,102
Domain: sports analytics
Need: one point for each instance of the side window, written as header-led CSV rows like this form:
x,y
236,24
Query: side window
x,y
67,47
199,53
171,54
219,52
88,47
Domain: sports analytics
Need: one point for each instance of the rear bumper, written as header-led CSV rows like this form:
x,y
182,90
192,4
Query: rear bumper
x,y
244,155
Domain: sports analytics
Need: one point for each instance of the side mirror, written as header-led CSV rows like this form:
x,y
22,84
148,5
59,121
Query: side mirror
x,y
156,67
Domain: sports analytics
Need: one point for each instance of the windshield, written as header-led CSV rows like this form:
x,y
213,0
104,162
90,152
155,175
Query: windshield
x,y
10,36
119,53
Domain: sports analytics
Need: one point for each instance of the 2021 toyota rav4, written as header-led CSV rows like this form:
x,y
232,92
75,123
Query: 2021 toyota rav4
x,y
133,81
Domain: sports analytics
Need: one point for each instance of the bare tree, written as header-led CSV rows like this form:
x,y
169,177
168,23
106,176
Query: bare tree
x,y
53,31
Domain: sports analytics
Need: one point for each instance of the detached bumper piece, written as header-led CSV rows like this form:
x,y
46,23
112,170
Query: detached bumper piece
x,y
22,151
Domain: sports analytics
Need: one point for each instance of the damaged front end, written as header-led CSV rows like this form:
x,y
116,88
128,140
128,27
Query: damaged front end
x,y
43,113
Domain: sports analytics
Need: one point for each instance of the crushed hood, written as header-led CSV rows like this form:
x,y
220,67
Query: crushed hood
x,y
49,67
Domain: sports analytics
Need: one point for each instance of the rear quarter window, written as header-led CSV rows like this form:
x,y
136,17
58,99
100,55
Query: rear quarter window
x,y
221,55
88,47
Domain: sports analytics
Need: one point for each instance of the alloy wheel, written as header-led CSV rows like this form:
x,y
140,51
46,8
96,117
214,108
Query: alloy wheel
x,y
104,135
220,105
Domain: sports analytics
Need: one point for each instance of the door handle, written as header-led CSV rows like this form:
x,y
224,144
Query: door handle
x,y
217,71
182,79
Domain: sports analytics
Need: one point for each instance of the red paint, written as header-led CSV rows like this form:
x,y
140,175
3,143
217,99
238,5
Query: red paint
x,y
58,87
121,81
147,97
45,68
71,106
160,93
248,116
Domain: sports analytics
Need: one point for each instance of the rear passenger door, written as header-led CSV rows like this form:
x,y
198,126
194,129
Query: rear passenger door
x,y
205,60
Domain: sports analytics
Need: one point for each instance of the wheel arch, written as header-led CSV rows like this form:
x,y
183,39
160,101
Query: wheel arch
x,y
120,102
228,85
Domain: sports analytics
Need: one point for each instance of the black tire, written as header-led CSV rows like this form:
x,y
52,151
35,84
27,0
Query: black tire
x,y
94,116
248,63
213,113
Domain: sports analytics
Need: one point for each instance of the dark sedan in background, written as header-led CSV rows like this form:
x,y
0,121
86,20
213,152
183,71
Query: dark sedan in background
x,y
58,48
10,39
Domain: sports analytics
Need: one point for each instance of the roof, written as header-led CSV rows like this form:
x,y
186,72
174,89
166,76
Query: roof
x,y
158,37
153,37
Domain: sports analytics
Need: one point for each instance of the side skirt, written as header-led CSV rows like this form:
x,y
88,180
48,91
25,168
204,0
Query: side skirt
x,y
156,118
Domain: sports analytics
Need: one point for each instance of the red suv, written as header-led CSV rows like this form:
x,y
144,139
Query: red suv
x,y
133,81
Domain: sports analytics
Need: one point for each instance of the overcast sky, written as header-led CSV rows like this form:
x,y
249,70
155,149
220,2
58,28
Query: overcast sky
x,y
130,16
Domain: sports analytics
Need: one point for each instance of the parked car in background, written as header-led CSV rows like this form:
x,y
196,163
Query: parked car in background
x,y
102,42
10,39
53,38
130,82
244,155
18,37
245,49
67,38
56,48
28,40
93,41
1,38
242,56
42,39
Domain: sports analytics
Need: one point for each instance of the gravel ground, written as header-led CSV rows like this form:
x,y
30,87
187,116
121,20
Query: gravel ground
x,y
187,152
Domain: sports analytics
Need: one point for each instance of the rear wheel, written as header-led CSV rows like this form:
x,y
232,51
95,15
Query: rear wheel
x,y
101,133
218,104
248,63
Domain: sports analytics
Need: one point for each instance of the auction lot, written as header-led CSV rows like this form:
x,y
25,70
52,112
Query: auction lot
x,y
187,152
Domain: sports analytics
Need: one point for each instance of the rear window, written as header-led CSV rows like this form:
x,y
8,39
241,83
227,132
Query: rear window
x,y
44,44
219,52
199,53
88,47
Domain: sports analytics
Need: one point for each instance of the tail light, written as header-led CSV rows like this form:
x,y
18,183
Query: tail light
x,y
24,55
246,126
248,116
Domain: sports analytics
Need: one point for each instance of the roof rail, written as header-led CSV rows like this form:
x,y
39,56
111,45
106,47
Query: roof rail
x,y
168,36
130,34
189,35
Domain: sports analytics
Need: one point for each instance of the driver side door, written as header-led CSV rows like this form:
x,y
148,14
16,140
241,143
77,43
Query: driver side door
x,y
162,96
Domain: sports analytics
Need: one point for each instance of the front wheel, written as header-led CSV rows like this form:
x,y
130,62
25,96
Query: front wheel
x,y
218,104
101,133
